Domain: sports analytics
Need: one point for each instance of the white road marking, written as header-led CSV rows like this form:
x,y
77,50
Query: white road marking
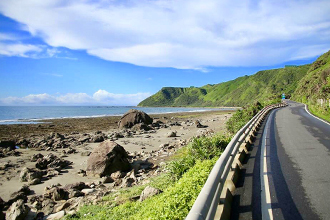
x,y
315,116
266,203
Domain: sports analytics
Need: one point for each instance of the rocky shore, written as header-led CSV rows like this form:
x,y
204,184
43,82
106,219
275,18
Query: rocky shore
x,y
51,169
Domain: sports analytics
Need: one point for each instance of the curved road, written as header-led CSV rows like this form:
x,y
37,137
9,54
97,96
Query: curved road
x,y
288,173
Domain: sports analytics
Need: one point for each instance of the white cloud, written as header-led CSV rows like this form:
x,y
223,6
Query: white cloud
x,y
101,97
18,49
177,33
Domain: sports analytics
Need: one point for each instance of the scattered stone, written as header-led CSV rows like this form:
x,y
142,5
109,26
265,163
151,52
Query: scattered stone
x,y
133,117
52,161
97,139
107,157
57,215
82,173
141,126
148,192
62,206
87,191
29,174
107,179
35,157
75,186
21,194
17,211
117,175
34,181
48,206
85,153
171,134
199,125
56,193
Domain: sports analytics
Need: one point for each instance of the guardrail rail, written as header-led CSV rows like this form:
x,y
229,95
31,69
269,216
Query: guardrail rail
x,y
216,194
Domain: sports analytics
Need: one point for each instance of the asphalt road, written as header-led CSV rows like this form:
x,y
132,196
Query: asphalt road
x,y
287,174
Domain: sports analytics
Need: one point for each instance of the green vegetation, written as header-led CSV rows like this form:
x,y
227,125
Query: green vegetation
x,y
181,185
316,86
202,148
241,117
309,84
264,86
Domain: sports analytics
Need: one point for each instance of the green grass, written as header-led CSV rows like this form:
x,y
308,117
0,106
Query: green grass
x,y
174,203
320,112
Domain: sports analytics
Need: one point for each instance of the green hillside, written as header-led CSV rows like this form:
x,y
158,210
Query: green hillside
x,y
263,86
315,86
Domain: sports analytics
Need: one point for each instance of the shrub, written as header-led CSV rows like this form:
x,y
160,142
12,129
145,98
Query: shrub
x,y
202,148
241,117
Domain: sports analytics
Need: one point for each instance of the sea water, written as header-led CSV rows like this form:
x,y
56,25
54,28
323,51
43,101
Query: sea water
x,y
35,114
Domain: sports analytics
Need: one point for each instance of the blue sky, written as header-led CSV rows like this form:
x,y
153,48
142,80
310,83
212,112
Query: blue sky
x,y
99,52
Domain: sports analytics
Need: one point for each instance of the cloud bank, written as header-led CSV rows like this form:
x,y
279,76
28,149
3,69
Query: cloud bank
x,y
178,33
101,97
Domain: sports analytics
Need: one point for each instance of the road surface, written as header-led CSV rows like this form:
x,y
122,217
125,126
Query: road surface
x,y
287,174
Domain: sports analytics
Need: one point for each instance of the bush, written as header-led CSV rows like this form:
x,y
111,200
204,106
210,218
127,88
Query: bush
x,y
241,117
202,148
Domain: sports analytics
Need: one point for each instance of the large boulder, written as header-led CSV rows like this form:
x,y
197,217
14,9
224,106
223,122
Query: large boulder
x,y
133,117
108,157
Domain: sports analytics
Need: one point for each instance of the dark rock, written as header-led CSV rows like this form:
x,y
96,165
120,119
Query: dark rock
x,y
199,125
172,134
29,174
107,157
52,161
75,186
8,144
56,194
82,172
48,206
148,192
75,193
133,117
97,139
2,204
35,157
17,211
141,126
40,216
21,194
107,179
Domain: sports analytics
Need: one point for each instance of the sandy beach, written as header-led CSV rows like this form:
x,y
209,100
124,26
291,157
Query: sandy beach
x,y
146,143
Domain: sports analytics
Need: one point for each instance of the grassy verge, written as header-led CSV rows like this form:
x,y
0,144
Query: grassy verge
x,y
321,112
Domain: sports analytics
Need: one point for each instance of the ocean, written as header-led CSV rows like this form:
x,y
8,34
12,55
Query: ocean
x,y
35,114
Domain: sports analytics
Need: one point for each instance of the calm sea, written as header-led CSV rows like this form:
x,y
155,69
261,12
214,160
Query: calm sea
x,y
33,114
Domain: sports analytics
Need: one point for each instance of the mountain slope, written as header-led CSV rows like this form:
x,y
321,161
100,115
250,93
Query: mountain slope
x,y
263,86
314,88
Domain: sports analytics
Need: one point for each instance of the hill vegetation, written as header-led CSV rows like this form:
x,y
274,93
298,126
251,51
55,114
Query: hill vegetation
x,y
314,88
263,86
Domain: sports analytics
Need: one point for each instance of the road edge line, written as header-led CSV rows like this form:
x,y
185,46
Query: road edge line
x,y
266,207
306,108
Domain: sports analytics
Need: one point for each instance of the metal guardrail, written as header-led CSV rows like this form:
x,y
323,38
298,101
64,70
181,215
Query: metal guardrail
x,y
207,202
